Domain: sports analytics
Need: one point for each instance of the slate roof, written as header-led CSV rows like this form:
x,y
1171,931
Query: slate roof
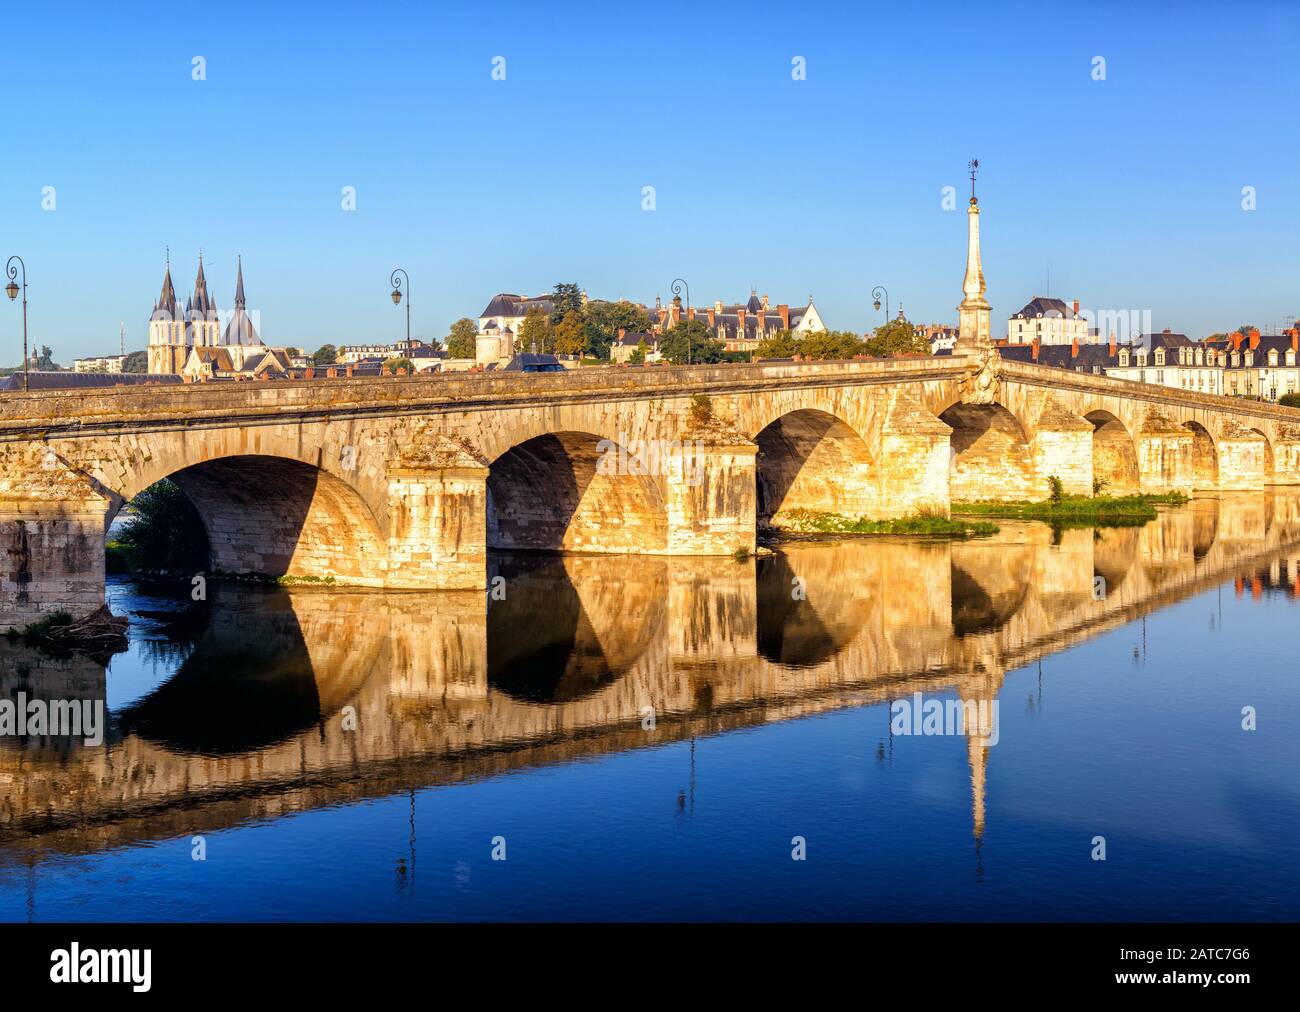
x,y
531,362
507,304
1041,305
83,380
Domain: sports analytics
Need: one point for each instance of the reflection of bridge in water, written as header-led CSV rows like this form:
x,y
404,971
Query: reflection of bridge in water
x,y
445,689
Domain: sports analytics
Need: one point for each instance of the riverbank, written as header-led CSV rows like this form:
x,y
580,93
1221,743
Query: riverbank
x,y
1080,509
814,522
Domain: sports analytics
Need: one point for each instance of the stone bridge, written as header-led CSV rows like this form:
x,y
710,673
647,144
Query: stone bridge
x,y
252,724
406,483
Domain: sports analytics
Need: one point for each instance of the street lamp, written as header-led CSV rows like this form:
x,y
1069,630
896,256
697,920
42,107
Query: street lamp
x,y
677,286
396,282
876,293
11,289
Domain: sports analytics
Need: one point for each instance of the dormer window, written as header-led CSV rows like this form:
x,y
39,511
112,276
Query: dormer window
x,y
1272,356
1290,357
1123,358
1236,359
1160,356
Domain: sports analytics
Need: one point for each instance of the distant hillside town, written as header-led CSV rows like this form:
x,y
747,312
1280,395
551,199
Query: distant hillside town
x,y
198,342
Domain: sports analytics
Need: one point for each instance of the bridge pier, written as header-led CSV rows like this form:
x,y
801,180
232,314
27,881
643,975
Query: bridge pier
x,y
711,498
1241,457
1286,457
1165,456
437,527
914,460
1062,447
51,560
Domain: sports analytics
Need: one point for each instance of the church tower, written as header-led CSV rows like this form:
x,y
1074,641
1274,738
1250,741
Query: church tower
x,y
167,344
973,312
203,323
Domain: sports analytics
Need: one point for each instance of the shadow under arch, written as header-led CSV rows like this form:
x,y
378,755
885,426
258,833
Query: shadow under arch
x,y
1270,471
1114,455
990,457
550,642
276,517
987,602
809,459
575,492
803,633
1205,456
246,684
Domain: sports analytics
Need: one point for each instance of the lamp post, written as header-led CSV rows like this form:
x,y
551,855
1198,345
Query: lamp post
x,y
876,294
396,282
677,286
11,289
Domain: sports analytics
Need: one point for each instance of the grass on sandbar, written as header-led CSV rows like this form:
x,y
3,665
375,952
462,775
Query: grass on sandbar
x,y
814,522
1075,507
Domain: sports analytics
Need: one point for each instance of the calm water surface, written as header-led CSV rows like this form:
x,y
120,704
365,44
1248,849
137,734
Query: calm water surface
x,y
352,756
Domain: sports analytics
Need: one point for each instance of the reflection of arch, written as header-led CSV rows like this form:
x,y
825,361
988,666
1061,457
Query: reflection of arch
x,y
1205,456
1269,471
556,638
809,459
990,454
978,609
1113,552
795,632
571,491
247,684
1114,457
278,517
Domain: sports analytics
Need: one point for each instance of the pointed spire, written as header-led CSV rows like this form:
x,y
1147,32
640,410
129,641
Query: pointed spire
x,y
166,303
239,284
973,312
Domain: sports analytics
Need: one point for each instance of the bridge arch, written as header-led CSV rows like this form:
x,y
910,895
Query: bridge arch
x,y
1270,465
270,516
1205,456
990,454
810,459
575,491
1114,455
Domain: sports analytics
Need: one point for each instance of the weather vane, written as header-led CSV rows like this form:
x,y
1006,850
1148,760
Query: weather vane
x,y
974,166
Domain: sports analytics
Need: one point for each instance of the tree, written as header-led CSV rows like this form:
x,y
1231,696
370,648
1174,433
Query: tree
x,y
1246,328
782,344
604,320
1289,400
897,337
690,340
830,344
535,333
638,354
326,354
462,340
570,335
45,360
565,299
393,364
136,362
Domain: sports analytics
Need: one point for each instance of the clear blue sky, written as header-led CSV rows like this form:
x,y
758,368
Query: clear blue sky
x,y
1129,189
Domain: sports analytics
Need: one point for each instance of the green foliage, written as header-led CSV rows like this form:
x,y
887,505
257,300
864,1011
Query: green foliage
x,y
830,344
570,334
1057,489
1099,485
164,533
701,410
1079,510
136,362
690,340
782,344
326,354
1289,400
638,354
462,340
604,320
566,298
536,333
393,364
897,337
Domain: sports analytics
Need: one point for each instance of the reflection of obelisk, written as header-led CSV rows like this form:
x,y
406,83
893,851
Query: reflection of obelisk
x,y
973,326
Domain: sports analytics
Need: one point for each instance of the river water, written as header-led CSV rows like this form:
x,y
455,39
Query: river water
x,y
647,738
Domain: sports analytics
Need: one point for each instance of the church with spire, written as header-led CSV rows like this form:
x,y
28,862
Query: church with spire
x,y
190,341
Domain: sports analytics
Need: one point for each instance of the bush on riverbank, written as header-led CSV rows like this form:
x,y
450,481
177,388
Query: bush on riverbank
x,y
164,534
813,522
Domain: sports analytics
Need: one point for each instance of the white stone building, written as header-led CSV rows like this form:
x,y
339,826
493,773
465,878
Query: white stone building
x,y
1049,321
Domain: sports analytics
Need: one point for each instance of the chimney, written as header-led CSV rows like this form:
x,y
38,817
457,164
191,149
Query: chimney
x,y
717,305
764,301
348,372
622,333
713,318
308,373
1254,339
1112,344
1235,338
762,315
1074,345
690,313
740,325
1295,339
1076,309
784,310
1034,348
331,372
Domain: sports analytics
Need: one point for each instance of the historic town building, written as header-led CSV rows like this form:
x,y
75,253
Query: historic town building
x,y
499,323
176,334
1048,321
741,326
